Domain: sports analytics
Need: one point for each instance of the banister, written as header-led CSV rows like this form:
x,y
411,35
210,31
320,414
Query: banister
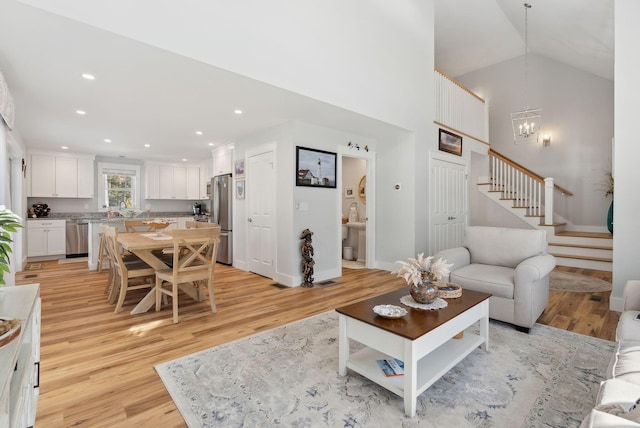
x,y
527,171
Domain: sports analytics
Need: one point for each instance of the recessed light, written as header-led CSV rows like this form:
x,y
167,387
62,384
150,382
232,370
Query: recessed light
x,y
184,160
212,144
64,147
237,111
147,145
81,112
106,140
198,132
88,76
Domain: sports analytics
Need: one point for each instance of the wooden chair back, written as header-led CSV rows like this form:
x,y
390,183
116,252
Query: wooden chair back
x,y
195,250
194,258
131,226
125,271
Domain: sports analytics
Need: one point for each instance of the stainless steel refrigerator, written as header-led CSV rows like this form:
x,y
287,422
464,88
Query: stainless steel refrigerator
x,y
221,213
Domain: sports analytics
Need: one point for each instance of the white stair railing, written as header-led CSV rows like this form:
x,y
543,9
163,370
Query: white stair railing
x,y
527,189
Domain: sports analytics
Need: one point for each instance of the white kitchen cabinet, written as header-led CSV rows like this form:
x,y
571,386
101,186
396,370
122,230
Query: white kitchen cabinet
x,y
46,238
193,183
172,182
58,176
86,178
20,358
152,181
42,176
205,178
66,177
179,182
222,162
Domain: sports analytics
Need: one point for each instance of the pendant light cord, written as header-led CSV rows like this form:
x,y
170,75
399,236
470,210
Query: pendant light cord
x,y
527,6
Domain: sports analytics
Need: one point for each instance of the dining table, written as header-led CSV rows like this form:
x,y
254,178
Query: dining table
x,y
143,245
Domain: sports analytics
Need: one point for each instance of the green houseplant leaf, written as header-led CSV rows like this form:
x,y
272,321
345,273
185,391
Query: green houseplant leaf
x,y
9,223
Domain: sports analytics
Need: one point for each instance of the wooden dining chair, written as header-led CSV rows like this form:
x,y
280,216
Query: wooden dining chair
x,y
194,259
128,274
132,226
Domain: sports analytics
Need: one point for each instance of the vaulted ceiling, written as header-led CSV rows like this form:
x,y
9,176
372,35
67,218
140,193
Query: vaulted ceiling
x,y
41,53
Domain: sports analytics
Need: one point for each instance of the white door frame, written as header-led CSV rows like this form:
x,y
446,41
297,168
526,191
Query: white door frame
x,y
370,206
437,155
255,151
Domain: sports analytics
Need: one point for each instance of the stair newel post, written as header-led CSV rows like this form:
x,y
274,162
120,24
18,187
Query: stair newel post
x,y
548,201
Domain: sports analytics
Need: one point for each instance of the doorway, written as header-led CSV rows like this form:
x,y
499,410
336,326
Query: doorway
x,y
356,206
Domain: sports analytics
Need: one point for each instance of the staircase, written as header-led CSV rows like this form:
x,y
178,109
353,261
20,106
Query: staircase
x,y
523,194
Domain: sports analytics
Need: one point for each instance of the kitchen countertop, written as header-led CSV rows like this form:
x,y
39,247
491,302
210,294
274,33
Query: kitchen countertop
x,y
102,217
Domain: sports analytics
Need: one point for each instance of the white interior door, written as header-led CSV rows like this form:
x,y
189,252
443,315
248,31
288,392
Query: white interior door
x,y
448,204
261,203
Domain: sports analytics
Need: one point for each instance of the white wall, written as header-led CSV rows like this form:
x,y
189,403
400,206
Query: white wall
x,y
320,217
351,54
577,112
627,152
371,57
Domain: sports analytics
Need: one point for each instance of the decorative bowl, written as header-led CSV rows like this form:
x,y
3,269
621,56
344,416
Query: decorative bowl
x,y
130,212
390,311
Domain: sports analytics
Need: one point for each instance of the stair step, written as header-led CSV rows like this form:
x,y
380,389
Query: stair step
x,y
594,259
591,247
601,235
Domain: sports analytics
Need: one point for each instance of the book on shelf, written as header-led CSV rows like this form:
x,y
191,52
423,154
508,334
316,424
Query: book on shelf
x,y
391,367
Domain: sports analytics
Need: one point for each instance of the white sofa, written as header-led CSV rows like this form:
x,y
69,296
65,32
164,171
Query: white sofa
x,y
510,264
621,391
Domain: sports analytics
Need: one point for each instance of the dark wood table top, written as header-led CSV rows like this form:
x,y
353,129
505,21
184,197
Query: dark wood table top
x,y
418,321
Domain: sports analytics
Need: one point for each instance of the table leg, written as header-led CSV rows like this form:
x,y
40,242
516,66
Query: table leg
x,y
146,303
484,324
343,345
410,379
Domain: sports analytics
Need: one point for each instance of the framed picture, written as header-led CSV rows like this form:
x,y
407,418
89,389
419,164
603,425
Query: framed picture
x,y
450,142
238,169
315,168
239,189
348,193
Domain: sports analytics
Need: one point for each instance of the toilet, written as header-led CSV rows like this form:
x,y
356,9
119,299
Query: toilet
x,y
347,252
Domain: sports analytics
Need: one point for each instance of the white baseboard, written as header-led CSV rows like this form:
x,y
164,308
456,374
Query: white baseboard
x,y
616,303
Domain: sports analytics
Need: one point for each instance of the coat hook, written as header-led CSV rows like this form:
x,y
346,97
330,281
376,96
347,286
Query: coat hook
x,y
366,148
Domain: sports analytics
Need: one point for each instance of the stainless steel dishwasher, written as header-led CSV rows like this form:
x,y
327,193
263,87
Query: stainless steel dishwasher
x,y
77,238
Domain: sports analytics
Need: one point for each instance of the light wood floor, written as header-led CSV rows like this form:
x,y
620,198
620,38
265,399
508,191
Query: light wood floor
x,y
97,366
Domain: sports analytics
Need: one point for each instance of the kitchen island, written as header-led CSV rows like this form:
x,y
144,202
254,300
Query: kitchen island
x,y
179,220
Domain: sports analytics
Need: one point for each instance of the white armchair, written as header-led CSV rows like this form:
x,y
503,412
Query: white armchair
x,y
510,264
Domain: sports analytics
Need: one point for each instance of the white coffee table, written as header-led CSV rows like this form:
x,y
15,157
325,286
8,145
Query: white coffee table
x,y
423,340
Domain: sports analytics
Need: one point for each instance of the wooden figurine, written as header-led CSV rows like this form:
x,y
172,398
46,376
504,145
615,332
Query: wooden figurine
x,y
307,258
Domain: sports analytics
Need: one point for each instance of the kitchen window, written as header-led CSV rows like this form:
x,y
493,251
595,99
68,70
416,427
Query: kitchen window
x,y
119,186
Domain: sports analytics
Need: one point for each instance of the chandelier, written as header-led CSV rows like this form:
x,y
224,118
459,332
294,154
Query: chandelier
x,y
526,122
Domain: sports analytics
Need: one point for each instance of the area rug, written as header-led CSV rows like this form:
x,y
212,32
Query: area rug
x,y
288,377
567,281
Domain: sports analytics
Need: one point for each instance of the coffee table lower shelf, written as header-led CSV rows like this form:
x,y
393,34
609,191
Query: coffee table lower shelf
x,y
430,368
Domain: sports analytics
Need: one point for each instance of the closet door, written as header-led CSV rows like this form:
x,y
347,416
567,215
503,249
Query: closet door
x,y
448,204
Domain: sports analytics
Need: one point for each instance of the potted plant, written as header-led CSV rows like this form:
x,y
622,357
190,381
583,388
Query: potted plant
x,y
9,223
